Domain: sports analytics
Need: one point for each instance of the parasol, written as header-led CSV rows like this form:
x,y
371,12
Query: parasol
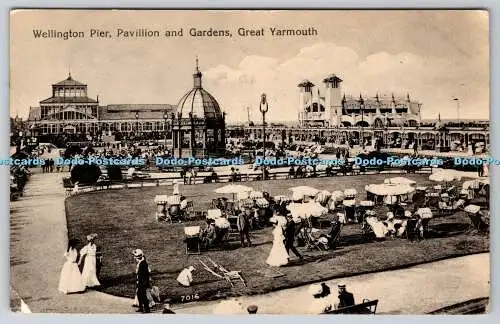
x,y
233,189
446,176
389,189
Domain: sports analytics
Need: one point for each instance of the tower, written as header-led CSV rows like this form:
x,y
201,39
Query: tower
x,y
305,99
333,99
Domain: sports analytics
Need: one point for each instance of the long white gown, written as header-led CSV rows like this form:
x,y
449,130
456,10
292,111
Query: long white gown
x,y
71,280
89,267
278,256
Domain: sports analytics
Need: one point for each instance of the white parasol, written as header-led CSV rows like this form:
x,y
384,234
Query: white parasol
x,y
446,176
306,210
233,189
399,180
389,189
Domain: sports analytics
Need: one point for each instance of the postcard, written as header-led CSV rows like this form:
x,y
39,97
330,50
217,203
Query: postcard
x,y
250,161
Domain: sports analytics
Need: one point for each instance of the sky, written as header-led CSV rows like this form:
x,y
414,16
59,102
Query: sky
x,y
434,56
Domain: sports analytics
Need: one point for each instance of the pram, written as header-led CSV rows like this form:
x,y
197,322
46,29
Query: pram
x,y
330,240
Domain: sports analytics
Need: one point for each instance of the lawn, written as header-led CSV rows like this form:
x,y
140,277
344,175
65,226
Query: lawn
x,y
125,220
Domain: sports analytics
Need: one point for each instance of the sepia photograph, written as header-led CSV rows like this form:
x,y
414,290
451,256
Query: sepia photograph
x,y
316,162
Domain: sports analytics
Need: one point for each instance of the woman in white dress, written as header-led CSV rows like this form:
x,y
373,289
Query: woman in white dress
x,y
278,256
71,280
89,267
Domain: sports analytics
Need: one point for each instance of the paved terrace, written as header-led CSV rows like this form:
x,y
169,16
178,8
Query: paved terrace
x,y
39,238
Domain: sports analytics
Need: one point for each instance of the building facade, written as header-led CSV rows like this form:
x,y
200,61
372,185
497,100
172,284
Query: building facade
x,y
334,108
196,125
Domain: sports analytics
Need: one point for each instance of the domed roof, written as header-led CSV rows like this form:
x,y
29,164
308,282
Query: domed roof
x,y
198,101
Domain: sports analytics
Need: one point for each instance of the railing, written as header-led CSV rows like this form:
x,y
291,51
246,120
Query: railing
x,y
225,178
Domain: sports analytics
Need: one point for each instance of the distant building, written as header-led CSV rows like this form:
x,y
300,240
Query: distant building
x,y
195,125
335,108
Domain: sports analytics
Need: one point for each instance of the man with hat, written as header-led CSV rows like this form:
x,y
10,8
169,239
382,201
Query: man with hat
x,y
346,299
143,281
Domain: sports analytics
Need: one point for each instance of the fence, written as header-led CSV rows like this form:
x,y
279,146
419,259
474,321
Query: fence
x,y
225,178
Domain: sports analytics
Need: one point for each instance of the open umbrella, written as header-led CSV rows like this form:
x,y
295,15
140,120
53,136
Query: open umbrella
x,y
389,189
233,189
446,176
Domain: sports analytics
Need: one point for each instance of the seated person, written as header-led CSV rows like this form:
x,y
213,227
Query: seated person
x,y
183,206
346,299
208,234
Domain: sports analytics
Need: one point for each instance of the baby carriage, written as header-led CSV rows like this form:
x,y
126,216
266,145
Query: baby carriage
x,y
330,240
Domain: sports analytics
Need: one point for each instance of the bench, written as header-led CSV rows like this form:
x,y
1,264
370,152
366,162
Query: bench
x,y
366,307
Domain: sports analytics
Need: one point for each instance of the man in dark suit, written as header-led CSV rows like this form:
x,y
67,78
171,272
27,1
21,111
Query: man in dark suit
x,y
290,238
244,228
143,281
346,299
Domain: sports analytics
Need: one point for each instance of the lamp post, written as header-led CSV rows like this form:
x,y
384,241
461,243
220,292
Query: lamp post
x,y
137,122
263,107
458,110
362,107
165,117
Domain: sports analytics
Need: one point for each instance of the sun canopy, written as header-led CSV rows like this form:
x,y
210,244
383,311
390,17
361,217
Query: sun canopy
x,y
446,176
389,189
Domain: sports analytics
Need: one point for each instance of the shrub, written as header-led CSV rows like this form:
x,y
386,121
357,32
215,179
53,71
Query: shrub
x,y
86,174
114,172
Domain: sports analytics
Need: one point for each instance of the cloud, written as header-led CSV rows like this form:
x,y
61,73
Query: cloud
x,y
433,81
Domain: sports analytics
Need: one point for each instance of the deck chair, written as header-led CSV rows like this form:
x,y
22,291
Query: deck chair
x,y
477,223
334,235
413,229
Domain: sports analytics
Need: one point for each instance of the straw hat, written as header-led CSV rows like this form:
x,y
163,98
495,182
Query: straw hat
x,y
138,253
91,237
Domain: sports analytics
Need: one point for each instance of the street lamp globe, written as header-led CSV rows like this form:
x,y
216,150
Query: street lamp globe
x,y
264,107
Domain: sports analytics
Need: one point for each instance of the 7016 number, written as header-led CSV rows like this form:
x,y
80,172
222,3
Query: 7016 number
x,y
188,298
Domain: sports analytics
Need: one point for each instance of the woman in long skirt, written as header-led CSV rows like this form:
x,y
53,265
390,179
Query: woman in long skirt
x,y
71,280
89,267
278,256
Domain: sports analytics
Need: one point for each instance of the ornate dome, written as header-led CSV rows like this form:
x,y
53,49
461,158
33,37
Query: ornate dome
x,y
198,101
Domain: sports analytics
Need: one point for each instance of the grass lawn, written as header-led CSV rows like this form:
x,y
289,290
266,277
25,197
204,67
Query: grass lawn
x,y
125,220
